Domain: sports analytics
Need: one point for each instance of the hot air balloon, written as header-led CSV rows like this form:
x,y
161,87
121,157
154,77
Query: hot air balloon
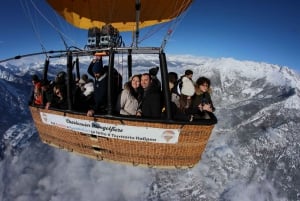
x,y
160,142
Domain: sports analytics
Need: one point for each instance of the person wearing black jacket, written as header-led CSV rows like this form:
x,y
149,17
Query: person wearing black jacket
x,y
150,106
97,71
202,98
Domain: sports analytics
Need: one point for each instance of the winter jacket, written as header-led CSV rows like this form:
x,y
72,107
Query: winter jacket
x,y
185,115
151,106
37,94
128,103
48,96
89,88
175,99
202,98
59,103
100,93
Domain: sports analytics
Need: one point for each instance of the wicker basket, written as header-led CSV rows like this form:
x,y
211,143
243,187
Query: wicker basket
x,y
185,153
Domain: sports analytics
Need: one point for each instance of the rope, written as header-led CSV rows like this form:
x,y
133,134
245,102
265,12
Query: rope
x,y
176,21
152,31
64,26
61,34
172,24
27,13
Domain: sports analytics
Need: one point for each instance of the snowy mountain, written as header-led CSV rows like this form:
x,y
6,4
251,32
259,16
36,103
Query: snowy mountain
x,y
252,154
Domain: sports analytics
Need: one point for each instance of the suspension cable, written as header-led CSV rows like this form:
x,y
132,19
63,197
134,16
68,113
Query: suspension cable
x,y
172,24
153,31
137,23
59,24
27,13
62,35
175,23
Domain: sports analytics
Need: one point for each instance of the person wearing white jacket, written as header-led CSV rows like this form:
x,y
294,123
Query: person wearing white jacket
x,y
88,88
130,96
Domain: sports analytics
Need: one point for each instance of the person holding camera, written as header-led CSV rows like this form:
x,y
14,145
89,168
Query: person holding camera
x,y
202,98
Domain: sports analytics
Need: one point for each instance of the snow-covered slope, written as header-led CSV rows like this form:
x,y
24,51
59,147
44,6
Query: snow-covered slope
x,y
253,152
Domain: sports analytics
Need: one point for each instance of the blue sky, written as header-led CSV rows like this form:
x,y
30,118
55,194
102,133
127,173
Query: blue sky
x,y
256,30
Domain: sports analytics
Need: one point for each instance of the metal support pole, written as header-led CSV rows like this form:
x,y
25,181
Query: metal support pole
x,y
110,86
165,84
69,80
137,21
129,63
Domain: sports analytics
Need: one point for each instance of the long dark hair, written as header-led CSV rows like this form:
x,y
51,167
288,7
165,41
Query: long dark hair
x,y
184,102
135,93
202,80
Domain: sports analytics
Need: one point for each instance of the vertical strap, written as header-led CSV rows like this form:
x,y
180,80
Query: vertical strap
x,y
69,80
46,66
137,21
77,68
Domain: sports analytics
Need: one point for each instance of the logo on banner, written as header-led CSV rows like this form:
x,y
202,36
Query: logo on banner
x,y
44,117
168,135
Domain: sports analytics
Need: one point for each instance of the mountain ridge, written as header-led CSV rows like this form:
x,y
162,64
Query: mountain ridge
x,y
253,152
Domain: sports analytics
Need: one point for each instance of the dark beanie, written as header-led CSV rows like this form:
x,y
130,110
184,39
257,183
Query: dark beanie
x,y
188,72
153,71
35,78
45,82
97,67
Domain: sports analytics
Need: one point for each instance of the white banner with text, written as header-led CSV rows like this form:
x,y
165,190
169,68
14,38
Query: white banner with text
x,y
117,131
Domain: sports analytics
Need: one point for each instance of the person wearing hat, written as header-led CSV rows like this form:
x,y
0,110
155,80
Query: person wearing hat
x,y
155,81
35,78
37,95
97,71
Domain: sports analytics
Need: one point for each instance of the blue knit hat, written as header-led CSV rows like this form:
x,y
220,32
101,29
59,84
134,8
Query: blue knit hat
x,y
98,68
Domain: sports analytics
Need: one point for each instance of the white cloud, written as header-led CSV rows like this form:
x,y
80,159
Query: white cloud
x,y
233,167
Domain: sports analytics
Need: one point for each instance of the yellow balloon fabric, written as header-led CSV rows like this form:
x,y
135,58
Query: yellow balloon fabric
x,y
121,14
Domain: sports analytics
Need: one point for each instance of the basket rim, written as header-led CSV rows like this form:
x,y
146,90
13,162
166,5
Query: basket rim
x,y
203,122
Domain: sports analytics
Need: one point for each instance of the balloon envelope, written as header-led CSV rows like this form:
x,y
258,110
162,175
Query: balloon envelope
x,y
121,14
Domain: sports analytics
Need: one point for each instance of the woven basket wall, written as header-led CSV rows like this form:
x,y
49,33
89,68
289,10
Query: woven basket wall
x,y
186,153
